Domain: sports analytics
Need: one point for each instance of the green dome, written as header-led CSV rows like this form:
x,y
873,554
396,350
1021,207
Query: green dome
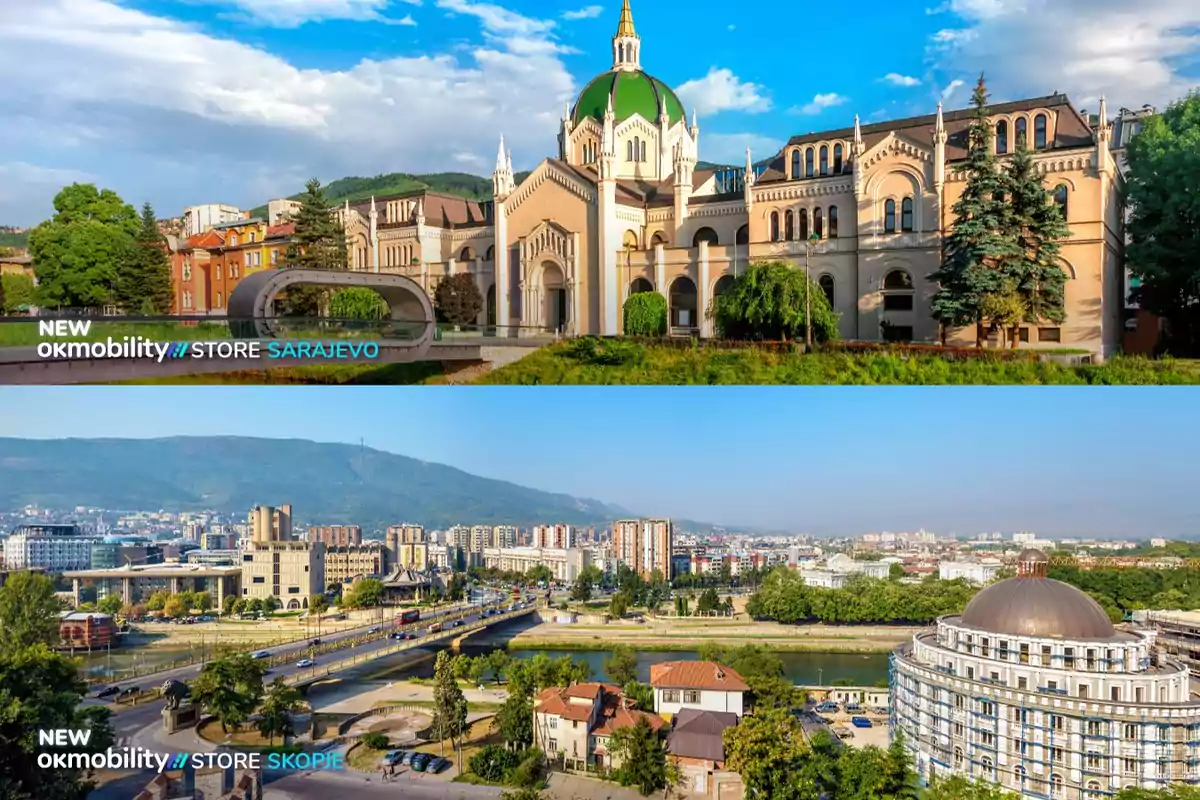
x,y
632,93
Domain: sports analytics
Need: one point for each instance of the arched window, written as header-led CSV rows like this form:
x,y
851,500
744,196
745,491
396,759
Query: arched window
x,y
640,286
803,224
743,235
621,52
1039,132
629,151
889,216
986,763
789,225
705,235
898,291
824,160
818,223
1022,132
723,285
1056,785
774,226
682,298
906,214
833,233
637,148
466,255
795,165
643,152
826,284
837,159
1002,137
659,238
808,163
1060,198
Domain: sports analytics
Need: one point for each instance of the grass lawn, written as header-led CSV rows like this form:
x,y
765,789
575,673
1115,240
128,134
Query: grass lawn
x,y
365,759
479,736
324,375
250,737
19,334
634,363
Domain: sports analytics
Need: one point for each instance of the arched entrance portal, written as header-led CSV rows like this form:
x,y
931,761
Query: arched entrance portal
x,y
554,297
683,305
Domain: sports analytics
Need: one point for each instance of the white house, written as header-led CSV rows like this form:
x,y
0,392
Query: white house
x,y
702,685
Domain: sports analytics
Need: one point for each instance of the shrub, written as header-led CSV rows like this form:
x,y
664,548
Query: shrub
x,y
530,771
458,299
494,763
375,741
646,314
604,352
767,301
358,303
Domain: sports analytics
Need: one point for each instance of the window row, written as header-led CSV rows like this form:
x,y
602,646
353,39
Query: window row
x,y
816,161
591,152
635,150
1021,125
906,216
788,231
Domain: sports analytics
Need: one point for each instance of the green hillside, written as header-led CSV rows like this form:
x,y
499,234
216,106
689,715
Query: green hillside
x,y
328,483
20,241
459,184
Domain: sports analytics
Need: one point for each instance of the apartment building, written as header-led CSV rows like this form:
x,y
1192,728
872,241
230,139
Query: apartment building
x,y
335,535
560,537
347,563
504,536
644,545
53,548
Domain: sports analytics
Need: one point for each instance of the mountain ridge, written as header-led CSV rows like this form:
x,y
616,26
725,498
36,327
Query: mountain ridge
x,y
327,482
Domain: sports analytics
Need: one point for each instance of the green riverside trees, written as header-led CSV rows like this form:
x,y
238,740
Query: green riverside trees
x,y
318,243
144,281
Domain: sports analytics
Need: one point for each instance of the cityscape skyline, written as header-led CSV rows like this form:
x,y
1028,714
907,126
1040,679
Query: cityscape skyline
x,y
1043,465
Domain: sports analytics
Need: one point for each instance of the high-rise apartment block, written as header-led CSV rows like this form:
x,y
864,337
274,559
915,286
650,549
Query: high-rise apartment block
x,y
459,536
504,536
268,524
559,536
481,537
644,545
335,535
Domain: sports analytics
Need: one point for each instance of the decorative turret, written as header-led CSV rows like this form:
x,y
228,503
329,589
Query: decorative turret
x,y
565,150
1104,160
939,146
420,218
608,144
374,217
502,178
748,182
627,46
857,148
695,131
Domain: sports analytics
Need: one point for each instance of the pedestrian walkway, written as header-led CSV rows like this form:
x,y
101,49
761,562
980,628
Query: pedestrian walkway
x,y
562,786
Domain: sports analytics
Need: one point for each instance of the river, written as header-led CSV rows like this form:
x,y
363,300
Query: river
x,y
805,668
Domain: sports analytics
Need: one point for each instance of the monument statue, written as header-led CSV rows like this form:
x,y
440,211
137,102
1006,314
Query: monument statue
x,y
175,692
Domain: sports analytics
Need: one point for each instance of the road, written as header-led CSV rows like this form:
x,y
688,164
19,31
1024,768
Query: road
x,y
281,656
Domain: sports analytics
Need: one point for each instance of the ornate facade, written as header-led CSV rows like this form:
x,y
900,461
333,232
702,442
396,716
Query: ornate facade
x,y
624,208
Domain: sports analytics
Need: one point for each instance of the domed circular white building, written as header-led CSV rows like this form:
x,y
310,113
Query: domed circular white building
x,y
1034,688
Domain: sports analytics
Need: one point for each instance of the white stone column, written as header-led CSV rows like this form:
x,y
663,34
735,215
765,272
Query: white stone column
x,y
660,270
702,293
610,244
574,282
500,266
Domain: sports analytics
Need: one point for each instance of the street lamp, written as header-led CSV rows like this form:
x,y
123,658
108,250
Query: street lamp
x,y
808,327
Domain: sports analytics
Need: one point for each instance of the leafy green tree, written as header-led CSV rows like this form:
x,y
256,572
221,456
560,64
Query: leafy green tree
x,y
16,292
979,242
374,740
144,280
176,607
202,601
646,315
493,763
524,793
711,651
618,606
229,605
364,593
158,600
769,750
1164,226
229,688
318,243
457,299
449,704
768,302
764,673
642,757
42,690
29,612
358,303
1034,274
275,716
641,694
514,721
959,787
539,574
621,665
1005,309
109,604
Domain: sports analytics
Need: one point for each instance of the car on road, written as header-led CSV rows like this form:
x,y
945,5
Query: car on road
x,y
314,642
393,758
305,663
420,761
108,691
374,629
458,623
861,722
437,765
257,654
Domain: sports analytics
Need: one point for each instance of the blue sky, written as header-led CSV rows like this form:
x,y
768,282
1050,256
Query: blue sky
x,y
188,101
825,461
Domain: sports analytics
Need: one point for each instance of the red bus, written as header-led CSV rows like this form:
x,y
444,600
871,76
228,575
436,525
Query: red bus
x,y
410,616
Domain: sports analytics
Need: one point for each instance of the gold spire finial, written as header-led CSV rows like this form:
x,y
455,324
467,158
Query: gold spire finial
x,y
625,27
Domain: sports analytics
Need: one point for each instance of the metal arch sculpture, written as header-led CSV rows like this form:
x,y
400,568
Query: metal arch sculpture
x,y
252,299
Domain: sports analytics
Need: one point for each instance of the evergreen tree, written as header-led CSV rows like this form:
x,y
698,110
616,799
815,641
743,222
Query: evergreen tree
x,y
1037,225
144,281
319,242
979,243
449,704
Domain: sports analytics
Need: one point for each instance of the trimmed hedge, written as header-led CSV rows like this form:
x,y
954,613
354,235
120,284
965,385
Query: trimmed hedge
x,y
646,315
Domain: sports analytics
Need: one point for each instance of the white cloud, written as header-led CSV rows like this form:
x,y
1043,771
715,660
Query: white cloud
x,y
161,111
819,103
720,90
588,12
1136,53
950,89
730,148
896,79
293,13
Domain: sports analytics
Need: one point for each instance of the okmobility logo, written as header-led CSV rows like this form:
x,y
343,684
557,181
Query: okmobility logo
x,y
137,347
140,759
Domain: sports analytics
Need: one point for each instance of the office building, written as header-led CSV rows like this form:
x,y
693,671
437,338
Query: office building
x,y
87,630
1033,687
136,583
218,540
109,553
644,545
335,535
289,571
268,524
213,558
54,548
564,564
347,563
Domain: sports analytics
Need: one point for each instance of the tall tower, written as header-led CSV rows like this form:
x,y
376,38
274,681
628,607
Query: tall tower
x,y
627,46
503,185
374,236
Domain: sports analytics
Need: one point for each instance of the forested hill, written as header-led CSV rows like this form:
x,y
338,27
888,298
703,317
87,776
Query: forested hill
x,y
459,184
13,239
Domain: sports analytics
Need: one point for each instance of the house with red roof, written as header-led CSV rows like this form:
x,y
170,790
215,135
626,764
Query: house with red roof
x,y
575,725
699,685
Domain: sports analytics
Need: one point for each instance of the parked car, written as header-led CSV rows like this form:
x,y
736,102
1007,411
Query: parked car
x,y
420,761
437,765
860,722
108,691
407,758
305,663
393,758
257,654
828,708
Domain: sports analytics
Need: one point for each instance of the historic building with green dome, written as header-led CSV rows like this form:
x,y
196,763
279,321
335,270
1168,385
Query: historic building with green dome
x,y
623,208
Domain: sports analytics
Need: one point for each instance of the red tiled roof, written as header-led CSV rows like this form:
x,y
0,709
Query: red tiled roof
x,y
205,240
279,231
613,713
696,675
